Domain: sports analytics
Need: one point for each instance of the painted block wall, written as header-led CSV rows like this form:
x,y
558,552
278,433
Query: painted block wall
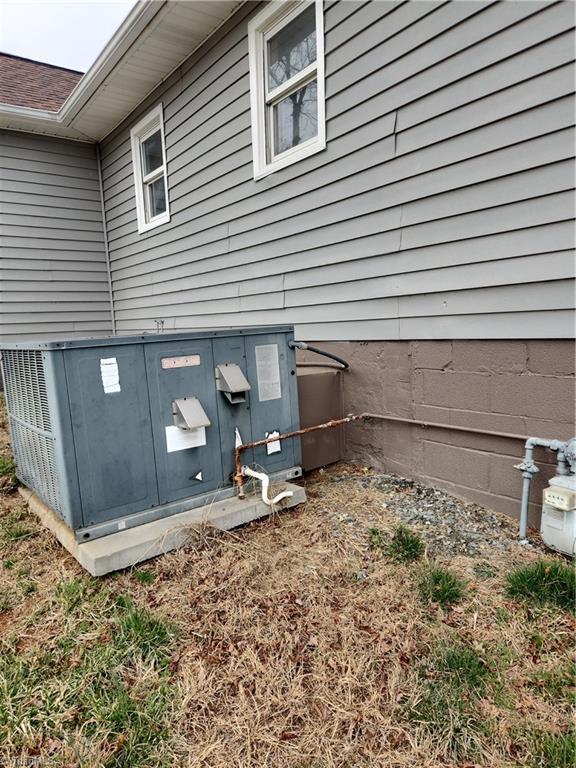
x,y
520,387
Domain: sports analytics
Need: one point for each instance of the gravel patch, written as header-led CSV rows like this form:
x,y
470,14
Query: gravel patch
x,y
449,526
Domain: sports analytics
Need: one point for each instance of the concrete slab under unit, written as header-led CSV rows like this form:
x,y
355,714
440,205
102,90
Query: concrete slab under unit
x,y
134,545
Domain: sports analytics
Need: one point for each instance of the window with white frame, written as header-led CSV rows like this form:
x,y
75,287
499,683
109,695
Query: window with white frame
x,y
286,45
149,161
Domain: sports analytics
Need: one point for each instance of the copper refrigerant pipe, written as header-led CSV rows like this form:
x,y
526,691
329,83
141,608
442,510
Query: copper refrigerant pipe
x,y
238,477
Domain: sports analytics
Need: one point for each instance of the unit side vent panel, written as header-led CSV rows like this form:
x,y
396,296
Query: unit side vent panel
x,y
34,454
25,384
30,424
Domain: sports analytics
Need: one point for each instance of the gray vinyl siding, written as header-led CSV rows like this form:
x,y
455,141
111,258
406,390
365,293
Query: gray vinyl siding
x,y
53,272
441,208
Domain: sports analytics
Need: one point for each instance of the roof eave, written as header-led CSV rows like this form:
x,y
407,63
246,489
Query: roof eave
x,y
35,114
40,120
128,32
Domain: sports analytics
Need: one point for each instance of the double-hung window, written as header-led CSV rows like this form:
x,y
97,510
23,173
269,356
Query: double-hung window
x,y
149,161
286,44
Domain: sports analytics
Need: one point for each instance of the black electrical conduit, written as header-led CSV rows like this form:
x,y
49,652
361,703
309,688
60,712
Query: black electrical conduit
x,y
344,365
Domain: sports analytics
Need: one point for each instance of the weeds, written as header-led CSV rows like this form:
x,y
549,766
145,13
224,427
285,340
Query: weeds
x,y
485,570
144,576
72,593
445,706
403,547
442,716
377,539
544,582
3,413
8,479
464,665
551,750
28,587
5,601
16,526
439,585
17,531
108,673
145,635
556,683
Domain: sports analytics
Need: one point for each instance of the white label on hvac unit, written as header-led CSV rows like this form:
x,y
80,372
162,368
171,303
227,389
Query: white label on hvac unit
x,y
268,372
109,374
275,446
180,439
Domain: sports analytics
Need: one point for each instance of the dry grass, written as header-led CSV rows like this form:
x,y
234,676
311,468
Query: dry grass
x,y
288,644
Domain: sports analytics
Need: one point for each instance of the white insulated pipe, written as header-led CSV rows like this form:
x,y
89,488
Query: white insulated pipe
x,y
263,478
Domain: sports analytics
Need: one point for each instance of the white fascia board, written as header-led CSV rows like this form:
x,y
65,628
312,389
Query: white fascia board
x,y
37,114
38,121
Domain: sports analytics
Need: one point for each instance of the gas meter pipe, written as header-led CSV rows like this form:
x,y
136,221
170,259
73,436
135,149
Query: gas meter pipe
x,y
238,478
527,465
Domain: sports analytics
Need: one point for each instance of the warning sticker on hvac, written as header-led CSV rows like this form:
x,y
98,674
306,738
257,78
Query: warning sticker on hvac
x,y
109,374
268,372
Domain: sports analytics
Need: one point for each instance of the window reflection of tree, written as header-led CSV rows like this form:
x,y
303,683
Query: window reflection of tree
x,y
303,125
288,57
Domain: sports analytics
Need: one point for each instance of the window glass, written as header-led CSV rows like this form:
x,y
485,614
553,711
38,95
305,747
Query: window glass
x,y
295,118
152,153
157,197
292,49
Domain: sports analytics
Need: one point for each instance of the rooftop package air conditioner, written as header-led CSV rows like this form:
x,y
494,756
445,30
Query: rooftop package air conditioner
x,y
112,433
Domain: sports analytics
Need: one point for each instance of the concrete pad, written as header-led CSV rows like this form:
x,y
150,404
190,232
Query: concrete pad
x,y
127,548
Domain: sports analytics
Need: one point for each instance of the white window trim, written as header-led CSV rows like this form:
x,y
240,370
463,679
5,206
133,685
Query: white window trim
x,y
265,24
148,125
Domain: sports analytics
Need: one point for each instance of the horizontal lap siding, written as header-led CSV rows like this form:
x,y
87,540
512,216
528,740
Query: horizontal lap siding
x,y
441,207
53,274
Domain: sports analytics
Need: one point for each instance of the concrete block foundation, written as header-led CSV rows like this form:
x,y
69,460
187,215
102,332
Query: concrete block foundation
x,y
517,386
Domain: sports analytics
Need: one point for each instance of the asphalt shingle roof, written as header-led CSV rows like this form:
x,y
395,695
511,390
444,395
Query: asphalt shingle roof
x,y
28,83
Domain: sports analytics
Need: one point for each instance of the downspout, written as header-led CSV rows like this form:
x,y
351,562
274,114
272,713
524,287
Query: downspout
x,y
106,249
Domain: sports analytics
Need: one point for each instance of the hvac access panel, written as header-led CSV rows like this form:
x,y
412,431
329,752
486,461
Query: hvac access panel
x,y
112,433
234,420
273,372
183,469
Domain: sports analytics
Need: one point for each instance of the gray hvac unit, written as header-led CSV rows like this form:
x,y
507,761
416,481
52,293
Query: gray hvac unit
x,y
115,432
